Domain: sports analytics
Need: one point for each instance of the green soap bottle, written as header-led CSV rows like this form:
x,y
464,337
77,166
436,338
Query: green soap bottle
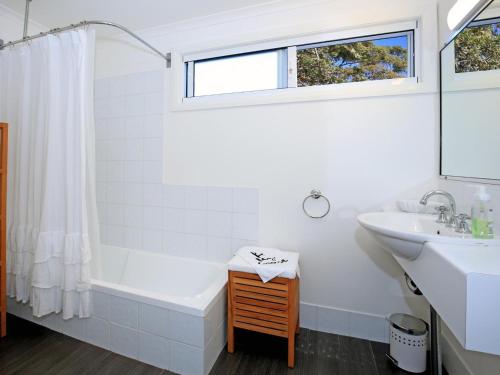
x,y
481,221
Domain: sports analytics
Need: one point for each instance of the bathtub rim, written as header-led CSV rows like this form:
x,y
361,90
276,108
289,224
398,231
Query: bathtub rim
x,y
197,305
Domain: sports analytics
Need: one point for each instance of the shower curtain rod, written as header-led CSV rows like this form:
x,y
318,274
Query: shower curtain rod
x,y
167,57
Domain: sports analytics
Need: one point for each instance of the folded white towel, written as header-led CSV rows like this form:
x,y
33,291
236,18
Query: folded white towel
x,y
269,263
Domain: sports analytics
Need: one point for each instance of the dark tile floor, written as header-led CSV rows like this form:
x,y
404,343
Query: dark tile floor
x,y
30,349
317,353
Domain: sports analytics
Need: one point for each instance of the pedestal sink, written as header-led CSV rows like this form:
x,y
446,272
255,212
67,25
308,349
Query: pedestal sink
x,y
404,234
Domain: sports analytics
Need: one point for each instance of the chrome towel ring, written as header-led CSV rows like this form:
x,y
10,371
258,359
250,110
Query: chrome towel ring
x,y
316,194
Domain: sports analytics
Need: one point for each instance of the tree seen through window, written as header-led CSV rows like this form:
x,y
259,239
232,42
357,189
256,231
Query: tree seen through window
x,y
477,48
383,58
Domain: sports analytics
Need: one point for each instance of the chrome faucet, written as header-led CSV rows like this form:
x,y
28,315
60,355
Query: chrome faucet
x,y
452,219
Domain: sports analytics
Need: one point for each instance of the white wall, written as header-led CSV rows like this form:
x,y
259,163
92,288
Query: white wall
x,y
12,23
361,153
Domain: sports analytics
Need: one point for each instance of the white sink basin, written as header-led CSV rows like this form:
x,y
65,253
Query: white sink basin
x,y
462,283
404,234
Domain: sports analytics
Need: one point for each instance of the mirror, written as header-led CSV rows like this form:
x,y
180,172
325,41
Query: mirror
x,y
470,99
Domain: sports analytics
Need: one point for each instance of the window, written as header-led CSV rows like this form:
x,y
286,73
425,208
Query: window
x,y
369,58
248,72
477,47
355,60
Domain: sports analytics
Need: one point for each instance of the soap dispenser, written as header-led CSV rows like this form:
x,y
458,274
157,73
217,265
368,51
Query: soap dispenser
x,y
480,213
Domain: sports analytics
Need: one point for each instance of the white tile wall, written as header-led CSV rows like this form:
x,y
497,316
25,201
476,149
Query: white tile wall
x,y
369,327
50,321
220,199
186,359
73,328
336,321
100,305
246,201
124,312
124,341
215,345
344,322
154,319
154,350
97,332
220,249
135,209
188,329
245,226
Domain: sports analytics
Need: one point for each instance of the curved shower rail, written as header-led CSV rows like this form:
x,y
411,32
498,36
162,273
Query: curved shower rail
x,y
165,56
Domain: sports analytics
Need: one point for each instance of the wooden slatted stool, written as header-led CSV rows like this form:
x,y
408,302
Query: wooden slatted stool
x,y
271,308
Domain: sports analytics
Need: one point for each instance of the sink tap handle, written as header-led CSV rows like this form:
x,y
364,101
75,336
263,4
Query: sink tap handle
x,y
462,225
452,221
442,214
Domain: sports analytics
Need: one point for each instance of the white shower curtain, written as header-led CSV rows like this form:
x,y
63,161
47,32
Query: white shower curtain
x,y
46,96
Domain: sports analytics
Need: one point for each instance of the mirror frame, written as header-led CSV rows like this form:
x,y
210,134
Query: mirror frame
x,y
471,16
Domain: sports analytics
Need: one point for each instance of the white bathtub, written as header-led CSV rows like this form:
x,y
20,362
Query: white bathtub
x,y
181,284
166,311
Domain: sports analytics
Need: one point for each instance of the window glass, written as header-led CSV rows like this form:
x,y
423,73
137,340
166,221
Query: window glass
x,y
250,72
477,47
373,58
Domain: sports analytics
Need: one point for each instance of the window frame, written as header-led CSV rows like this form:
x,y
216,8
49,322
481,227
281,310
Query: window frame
x,y
282,70
426,48
287,61
483,21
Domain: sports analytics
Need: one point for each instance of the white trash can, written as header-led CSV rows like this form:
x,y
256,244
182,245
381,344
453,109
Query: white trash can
x,y
408,342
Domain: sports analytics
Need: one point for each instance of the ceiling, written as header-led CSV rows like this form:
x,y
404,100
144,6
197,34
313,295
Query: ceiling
x,y
134,14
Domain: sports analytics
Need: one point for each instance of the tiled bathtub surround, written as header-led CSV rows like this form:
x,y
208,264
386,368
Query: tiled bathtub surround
x,y
179,342
135,209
